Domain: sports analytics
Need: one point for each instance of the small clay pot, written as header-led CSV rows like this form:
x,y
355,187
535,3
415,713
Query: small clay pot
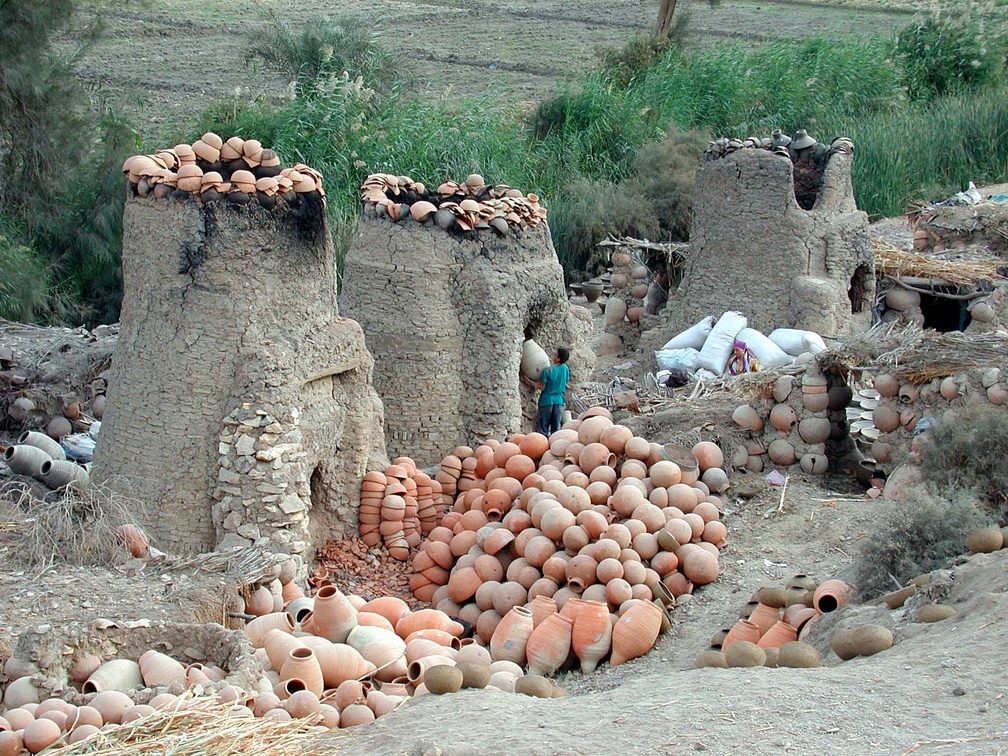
x,y
474,674
711,658
934,613
744,654
984,540
843,644
870,639
896,599
536,686
797,654
443,678
772,596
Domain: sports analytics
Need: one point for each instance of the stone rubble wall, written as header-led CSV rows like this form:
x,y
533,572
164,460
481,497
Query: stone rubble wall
x,y
240,406
753,249
445,315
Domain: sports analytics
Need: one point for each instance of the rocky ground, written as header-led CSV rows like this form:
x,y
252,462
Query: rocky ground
x,y
939,690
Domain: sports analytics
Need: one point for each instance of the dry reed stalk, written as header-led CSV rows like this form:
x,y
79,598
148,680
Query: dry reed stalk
x,y
890,260
199,726
918,356
77,527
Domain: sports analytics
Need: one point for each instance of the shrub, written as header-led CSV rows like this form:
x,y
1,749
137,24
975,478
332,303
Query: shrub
x,y
654,202
315,51
940,55
624,64
970,451
60,152
664,179
916,534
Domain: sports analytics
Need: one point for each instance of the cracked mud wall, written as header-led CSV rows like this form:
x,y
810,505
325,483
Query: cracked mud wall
x,y
445,316
753,249
240,405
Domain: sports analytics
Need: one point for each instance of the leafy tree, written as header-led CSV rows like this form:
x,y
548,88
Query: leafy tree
x,y
60,150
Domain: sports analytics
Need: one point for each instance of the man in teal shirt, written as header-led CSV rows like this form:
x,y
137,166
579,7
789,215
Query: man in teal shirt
x,y
553,385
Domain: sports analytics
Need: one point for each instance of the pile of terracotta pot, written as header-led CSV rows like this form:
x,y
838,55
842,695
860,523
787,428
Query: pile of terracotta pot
x,y
33,723
471,205
211,169
776,143
887,415
40,456
772,626
792,421
397,506
591,514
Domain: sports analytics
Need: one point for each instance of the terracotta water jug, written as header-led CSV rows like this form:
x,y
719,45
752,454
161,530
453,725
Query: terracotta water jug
x,y
549,645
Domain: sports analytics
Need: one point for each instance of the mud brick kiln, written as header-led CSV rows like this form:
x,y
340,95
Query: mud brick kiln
x,y
240,405
755,249
445,313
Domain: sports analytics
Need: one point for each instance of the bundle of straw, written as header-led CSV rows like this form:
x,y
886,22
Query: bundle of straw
x,y
915,355
893,261
199,726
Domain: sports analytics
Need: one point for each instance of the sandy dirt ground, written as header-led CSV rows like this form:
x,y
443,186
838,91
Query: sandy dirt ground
x,y
939,690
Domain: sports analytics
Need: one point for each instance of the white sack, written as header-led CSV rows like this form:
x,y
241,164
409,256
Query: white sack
x,y
795,341
770,355
677,359
717,349
693,337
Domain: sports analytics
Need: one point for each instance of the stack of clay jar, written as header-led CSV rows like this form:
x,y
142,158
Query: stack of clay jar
x,y
211,169
625,305
470,205
591,513
772,626
399,506
34,722
900,405
362,658
792,421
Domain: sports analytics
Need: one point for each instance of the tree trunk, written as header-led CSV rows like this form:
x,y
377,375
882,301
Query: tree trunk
x,y
665,13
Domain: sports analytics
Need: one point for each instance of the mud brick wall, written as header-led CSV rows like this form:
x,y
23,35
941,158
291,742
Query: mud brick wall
x,y
753,249
445,315
240,405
